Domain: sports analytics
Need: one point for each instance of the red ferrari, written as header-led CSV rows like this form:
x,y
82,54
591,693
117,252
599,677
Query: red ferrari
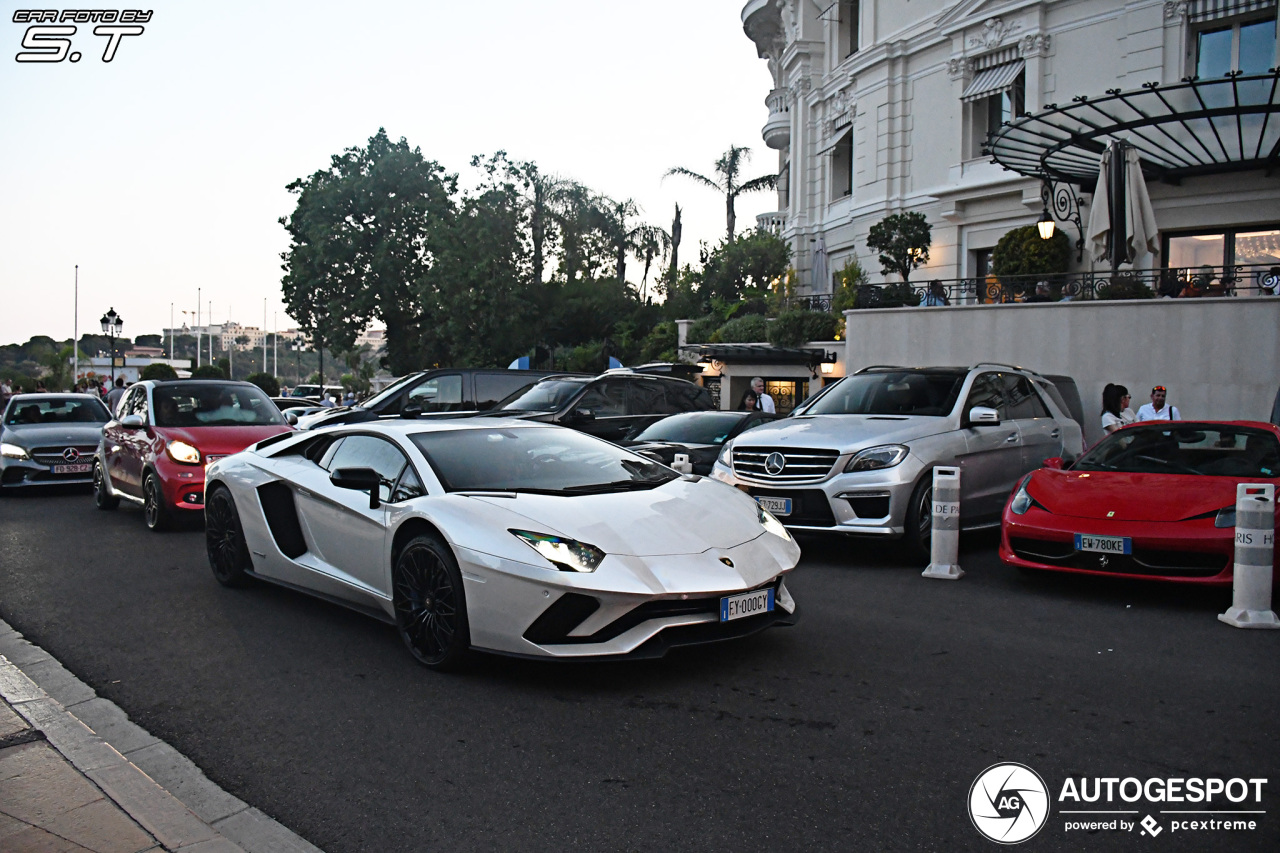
x,y
166,433
1154,500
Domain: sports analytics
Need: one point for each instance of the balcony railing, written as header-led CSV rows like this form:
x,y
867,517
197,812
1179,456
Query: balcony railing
x,y
1174,283
772,222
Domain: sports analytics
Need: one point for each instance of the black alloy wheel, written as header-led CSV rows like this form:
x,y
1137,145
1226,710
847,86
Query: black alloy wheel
x,y
154,511
917,534
224,539
431,611
101,497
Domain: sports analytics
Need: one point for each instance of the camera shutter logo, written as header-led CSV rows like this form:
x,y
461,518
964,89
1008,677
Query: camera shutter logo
x,y
1008,803
774,463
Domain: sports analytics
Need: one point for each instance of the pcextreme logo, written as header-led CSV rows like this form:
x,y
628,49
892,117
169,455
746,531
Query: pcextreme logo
x,y
1009,803
48,39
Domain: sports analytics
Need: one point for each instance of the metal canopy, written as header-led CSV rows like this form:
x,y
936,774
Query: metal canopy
x,y
1196,127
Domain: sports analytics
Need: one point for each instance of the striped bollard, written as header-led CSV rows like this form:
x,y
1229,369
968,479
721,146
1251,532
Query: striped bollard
x,y
945,539
1254,558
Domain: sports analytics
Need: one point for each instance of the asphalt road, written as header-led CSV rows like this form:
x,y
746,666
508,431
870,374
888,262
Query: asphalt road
x,y
862,728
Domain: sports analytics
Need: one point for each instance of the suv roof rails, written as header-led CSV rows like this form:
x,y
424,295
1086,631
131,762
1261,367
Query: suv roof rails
x,y
1010,366
879,367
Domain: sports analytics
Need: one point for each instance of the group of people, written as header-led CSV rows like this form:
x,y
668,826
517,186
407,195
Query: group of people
x,y
756,400
1116,412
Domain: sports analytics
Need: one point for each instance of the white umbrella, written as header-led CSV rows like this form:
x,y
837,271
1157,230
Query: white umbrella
x,y
1140,233
821,282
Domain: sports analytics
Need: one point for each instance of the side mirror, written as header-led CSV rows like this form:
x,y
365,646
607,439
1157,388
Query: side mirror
x,y
581,416
291,417
983,416
132,422
1055,462
411,410
359,479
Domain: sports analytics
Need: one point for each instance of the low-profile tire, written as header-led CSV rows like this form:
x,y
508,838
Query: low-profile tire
x,y
917,535
102,499
224,539
430,606
154,511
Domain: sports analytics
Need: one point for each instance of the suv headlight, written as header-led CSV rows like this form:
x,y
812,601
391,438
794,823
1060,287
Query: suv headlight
x,y
770,523
13,451
873,458
567,555
726,455
182,452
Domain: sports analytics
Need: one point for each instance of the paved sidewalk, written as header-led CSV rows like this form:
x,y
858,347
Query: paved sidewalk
x,y
76,775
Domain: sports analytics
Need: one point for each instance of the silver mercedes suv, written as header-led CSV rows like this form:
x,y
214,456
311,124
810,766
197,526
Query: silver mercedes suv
x,y
858,457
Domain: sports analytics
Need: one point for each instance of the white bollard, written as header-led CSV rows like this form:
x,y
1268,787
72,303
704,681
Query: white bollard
x,y
945,539
1254,558
682,464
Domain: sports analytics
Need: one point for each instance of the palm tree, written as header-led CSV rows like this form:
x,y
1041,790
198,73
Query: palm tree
x,y
728,167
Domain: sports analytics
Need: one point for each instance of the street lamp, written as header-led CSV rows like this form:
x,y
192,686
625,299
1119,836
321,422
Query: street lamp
x,y
111,326
1045,225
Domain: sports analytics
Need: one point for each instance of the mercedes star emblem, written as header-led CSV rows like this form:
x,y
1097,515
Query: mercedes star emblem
x,y
774,463
71,454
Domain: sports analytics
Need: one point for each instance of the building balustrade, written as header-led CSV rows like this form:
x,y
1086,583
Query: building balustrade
x,y
772,222
777,130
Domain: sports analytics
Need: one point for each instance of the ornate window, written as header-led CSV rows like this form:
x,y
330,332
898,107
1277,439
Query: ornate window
x,y
1232,35
847,30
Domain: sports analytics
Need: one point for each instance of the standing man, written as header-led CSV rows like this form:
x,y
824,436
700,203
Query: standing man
x,y
114,395
1156,410
764,401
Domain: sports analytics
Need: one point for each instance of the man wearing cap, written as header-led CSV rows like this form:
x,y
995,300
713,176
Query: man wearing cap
x,y
1156,410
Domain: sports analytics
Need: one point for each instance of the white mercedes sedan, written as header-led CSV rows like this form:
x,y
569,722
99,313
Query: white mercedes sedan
x,y
502,536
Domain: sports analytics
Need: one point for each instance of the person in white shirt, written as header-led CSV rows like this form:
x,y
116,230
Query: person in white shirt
x,y
1115,408
1156,410
765,403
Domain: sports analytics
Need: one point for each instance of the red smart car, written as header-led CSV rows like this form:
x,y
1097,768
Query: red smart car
x,y
163,436
1153,500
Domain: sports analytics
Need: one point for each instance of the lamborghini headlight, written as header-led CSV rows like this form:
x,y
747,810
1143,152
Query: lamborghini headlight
x,y
567,555
13,451
770,523
873,458
182,452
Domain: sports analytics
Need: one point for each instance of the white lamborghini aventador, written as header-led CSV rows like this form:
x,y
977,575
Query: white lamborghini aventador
x,y
500,535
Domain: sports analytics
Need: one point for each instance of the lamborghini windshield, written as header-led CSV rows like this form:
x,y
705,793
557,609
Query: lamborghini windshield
x,y
1215,450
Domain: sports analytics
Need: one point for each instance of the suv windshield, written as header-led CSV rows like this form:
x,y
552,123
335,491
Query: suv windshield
x,y
195,404
694,427
545,396
546,460
897,392
1209,449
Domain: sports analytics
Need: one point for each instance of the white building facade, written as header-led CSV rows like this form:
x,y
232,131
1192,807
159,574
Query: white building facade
x,y
884,106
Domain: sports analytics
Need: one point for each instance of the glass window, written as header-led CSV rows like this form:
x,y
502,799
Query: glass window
x,y
409,487
1213,53
195,404
847,28
1245,46
58,410
1258,247
367,451
647,398
1197,250
1023,402
492,387
1209,449
605,398
898,392
842,168
438,394
1257,46
986,392
545,396
131,402
536,459
693,428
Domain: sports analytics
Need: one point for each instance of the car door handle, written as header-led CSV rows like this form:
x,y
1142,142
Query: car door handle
x,y
1057,433
1012,439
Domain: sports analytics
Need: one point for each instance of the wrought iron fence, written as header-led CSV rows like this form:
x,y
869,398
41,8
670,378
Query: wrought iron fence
x,y
1174,283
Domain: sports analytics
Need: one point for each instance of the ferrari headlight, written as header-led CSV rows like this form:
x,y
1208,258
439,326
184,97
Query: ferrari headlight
x,y
567,555
13,451
873,458
180,451
1226,517
770,523
1022,501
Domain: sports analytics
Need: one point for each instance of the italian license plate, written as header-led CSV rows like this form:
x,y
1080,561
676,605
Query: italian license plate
x,y
777,506
746,604
1104,544
80,468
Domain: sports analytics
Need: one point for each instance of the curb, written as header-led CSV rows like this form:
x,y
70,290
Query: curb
x,y
158,787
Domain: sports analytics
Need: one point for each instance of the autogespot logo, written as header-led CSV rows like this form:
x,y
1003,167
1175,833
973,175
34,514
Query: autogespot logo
x,y
1008,803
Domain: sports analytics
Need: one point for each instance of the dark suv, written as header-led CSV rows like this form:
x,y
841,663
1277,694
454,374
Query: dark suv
x,y
431,392
610,406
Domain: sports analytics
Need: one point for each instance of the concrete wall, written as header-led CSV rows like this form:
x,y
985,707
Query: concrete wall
x,y
1220,358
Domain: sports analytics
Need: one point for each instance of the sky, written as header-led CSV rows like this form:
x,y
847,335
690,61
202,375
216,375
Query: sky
x,y
164,170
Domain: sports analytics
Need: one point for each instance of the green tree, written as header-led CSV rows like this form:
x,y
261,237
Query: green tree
x,y
749,262
1023,251
902,239
208,371
159,371
362,234
728,170
265,381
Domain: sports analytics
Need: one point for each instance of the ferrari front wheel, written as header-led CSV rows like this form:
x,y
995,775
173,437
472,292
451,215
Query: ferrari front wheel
x,y
431,610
